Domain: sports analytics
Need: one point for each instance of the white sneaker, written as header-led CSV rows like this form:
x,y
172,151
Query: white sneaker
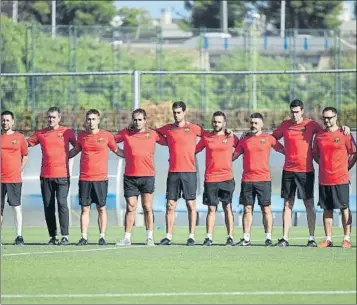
x,y
124,242
150,242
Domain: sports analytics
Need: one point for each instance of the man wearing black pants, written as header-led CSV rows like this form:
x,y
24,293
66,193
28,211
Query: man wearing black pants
x,y
54,141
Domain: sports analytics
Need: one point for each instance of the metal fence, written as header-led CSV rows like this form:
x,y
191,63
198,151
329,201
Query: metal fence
x,y
116,93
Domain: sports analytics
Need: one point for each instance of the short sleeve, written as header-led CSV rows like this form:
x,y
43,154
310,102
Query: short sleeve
x,y
33,140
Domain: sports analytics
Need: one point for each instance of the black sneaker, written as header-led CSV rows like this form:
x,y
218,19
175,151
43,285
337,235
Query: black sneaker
x,y
282,243
102,242
243,243
19,241
64,241
190,242
311,243
82,242
268,243
165,242
53,241
207,242
229,241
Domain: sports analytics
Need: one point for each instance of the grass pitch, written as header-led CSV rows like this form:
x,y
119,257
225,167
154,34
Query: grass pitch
x,y
37,273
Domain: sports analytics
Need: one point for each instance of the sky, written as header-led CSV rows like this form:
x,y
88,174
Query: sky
x,y
154,7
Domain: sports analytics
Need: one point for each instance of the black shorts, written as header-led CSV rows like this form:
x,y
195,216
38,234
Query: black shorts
x,y
334,196
52,188
250,190
134,186
303,182
13,192
93,192
214,192
185,183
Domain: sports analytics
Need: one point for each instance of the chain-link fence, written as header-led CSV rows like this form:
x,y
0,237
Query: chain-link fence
x,y
116,93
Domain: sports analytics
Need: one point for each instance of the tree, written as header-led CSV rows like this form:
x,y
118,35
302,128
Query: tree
x,y
67,12
206,13
132,17
303,14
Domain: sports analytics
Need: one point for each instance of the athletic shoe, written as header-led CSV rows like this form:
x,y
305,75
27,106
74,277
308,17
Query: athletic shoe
x,y
64,241
19,241
243,243
325,244
150,242
124,242
207,242
346,244
268,242
190,242
282,243
229,241
311,243
165,242
53,241
102,242
82,242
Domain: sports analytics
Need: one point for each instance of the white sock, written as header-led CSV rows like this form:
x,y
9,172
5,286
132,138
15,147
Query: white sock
x,y
191,235
311,237
65,236
246,236
102,235
346,237
329,238
127,236
169,236
209,236
149,234
286,237
18,219
229,236
84,235
267,235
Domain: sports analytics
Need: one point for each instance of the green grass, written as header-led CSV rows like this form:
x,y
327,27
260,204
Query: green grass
x,y
176,269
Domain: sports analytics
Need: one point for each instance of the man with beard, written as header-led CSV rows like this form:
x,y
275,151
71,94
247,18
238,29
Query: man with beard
x,y
256,180
219,181
336,154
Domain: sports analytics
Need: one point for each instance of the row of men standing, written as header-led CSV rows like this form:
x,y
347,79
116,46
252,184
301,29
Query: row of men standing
x,y
180,137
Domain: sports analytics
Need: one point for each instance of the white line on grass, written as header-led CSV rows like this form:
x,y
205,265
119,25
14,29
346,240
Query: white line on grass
x,y
116,248
70,251
160,294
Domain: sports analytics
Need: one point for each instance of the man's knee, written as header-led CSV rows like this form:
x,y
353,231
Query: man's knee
x,y
248,209
191,205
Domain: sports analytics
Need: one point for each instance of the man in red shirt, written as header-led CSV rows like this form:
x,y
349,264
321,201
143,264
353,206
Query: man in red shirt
x,y
54,141
94,144
139,176
336,154
298,172
182,178
13,159
219,181
256,180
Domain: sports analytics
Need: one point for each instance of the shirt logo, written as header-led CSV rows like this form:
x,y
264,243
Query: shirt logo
x,y
187,129
262,141
147,135
60,135
225,141
336,140
100,140
14,142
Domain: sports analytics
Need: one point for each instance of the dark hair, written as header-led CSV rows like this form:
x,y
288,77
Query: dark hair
x,y
297,103
92,111
139,111
7,112
54,109
179,104
257,115
219,113
333,109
